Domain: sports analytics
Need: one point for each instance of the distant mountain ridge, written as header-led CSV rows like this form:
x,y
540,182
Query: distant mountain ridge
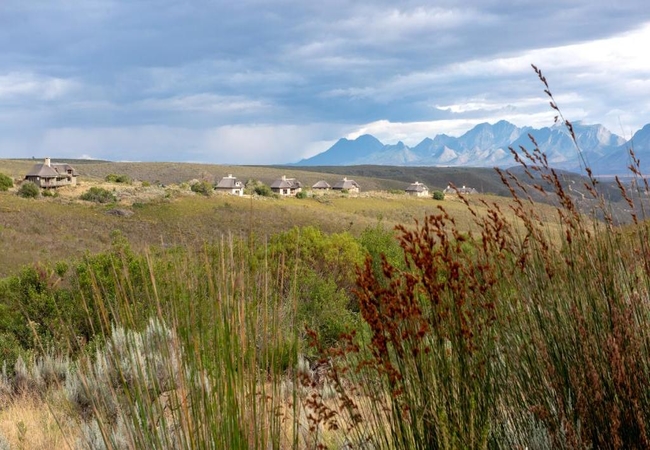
x,y
487,145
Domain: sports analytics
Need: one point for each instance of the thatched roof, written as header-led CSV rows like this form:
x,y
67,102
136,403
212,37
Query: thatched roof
x,y
286,183
229,182
346,184
322,184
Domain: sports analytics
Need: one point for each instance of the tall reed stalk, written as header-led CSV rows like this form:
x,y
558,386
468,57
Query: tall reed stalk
x,y
208,370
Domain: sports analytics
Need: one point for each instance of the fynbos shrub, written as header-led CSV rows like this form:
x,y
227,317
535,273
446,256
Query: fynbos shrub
x,y
98,195
5,182
29,190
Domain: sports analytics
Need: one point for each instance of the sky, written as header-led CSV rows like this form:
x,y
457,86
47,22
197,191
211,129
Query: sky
x,y
275,81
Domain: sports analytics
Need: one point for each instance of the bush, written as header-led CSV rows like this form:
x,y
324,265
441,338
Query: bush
x,y
438,195
49,193
98,195
113,178
29,190
301,194
263,190
322,265
5,182
202,187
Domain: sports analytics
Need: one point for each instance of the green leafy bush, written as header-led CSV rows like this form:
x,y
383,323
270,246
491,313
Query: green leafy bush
x,y
114,178
202,187
301,194
323,266
263,190
5,182
49,193
29,190
98,195
438,195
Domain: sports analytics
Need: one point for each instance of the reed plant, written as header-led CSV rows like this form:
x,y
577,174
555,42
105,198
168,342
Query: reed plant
x,y
515,335
214,365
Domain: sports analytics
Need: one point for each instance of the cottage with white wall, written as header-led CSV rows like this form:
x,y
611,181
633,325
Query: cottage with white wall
x,y
48,175
230,185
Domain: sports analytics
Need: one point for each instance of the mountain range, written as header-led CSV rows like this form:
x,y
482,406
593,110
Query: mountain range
x,y
487,145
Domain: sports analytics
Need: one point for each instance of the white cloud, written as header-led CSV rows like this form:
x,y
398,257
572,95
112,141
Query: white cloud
x,y
16,85
207,103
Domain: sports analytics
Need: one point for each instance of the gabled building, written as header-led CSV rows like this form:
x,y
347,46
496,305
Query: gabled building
x,y
418,189
349,185
286,186
48,175
322,185
230,185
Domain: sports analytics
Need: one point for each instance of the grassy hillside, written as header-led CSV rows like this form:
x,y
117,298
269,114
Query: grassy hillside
x,y
168,213
369,177
532,332
66,227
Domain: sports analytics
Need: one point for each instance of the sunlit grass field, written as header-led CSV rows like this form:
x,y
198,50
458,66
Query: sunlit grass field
x,y
66,227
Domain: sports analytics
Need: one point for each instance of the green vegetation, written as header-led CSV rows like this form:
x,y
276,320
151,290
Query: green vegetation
x,y
5,182
98,195
486,330
29,190
202,187
114,178
263,190
302,194
49,193
438,195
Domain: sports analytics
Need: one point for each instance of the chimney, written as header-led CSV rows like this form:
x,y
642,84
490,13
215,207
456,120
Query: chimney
x,y
284,178
47,162
230,175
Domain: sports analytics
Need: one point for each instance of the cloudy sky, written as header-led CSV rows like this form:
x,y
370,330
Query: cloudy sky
x,y
274,81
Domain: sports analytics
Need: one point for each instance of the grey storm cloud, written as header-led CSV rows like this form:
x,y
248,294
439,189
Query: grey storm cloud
x,y
315,70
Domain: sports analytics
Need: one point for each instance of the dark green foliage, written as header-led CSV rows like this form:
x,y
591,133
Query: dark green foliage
x,y
438,195
382,244
49,193
301,194
114,178
263,190
29,190
35,310
202,187
10,349
319,269
98,195
5,182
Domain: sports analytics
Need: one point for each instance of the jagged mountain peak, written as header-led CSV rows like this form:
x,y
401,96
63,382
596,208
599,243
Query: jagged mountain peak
x,y
486,145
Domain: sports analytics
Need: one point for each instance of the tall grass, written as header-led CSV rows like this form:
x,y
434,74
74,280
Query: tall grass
x,y
508,338
201,351
204,371
517,335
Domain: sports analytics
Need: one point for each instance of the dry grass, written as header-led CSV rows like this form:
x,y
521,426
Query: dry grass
x,y
29,422
64,227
